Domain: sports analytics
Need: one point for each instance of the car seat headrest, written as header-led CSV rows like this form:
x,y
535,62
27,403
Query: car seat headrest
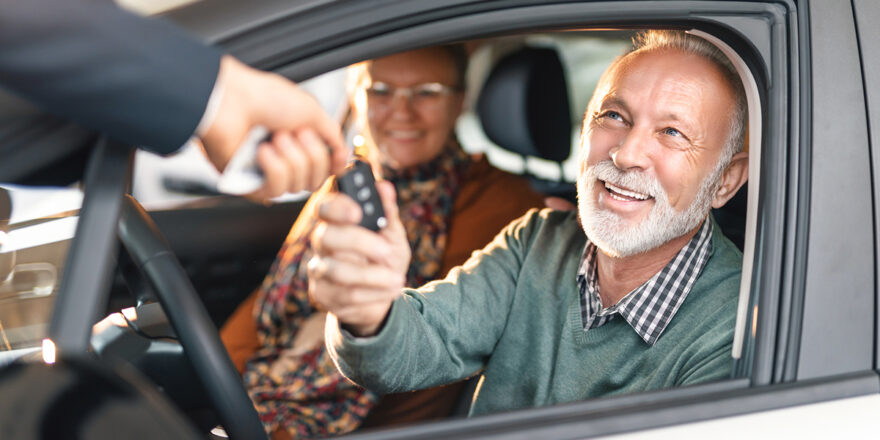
x,y
524,105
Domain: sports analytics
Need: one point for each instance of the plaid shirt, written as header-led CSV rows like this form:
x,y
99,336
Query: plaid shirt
x,y
650,307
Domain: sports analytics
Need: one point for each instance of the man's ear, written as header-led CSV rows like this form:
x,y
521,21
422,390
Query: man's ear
x,y
736,174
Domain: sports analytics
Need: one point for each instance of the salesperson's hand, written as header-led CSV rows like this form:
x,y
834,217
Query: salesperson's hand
x,y
306,146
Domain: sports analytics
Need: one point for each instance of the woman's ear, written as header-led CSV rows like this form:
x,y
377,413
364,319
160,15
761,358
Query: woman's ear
x,y
734,177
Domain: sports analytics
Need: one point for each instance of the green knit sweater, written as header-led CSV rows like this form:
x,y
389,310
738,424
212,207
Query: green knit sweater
x,y
512,311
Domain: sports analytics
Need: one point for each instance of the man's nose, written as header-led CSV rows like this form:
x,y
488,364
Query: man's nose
x,y
632,151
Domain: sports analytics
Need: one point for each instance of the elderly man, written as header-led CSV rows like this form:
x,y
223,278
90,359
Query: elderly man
x,y
641,296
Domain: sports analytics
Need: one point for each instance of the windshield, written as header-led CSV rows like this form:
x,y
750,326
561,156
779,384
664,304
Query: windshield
x,y
36,226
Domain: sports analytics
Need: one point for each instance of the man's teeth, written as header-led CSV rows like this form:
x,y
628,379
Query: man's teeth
x,y
625,192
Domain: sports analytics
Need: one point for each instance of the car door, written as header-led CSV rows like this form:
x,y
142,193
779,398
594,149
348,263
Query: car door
x,y
810,177
807,328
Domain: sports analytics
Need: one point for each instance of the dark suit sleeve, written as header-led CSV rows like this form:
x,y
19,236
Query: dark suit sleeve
x,y
142,81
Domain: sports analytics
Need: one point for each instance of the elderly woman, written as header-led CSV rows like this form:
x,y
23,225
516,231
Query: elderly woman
x,y
451,204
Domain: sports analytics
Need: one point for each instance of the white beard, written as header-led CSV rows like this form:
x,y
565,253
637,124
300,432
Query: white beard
x,y
613,235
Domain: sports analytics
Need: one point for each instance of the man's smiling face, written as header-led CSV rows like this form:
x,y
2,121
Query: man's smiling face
x,y
653,137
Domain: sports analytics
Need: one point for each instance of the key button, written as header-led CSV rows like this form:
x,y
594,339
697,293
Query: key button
x,y
363,194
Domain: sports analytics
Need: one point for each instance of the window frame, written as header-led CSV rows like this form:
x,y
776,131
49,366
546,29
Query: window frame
x,y
870,57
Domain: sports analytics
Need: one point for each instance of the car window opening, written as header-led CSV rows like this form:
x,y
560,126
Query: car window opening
x,y
566,68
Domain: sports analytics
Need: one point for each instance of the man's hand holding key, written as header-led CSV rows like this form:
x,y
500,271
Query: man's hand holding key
x,y
356,273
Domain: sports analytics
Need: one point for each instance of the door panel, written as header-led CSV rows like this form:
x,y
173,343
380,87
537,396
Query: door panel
x,y
837,335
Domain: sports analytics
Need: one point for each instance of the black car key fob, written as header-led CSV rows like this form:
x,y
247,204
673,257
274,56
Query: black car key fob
x,y
358,183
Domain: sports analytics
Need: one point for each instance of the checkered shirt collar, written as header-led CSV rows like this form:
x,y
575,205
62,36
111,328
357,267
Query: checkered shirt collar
x,y
650,307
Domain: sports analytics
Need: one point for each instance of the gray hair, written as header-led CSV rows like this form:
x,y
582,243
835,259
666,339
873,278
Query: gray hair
x,y
656,40
660,40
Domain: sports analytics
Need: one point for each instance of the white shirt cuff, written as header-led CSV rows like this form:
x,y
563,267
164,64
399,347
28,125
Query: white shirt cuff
x,y
211,110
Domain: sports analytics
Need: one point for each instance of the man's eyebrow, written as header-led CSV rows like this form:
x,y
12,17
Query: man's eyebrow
x,y
613,100
675,117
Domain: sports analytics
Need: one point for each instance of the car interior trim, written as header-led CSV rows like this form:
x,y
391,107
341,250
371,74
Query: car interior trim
x,y
774,227
574,421
753,100
85,283
366,39
870,55
44,141
798,248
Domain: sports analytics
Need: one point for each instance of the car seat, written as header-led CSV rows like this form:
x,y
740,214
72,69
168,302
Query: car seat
x,y
524,108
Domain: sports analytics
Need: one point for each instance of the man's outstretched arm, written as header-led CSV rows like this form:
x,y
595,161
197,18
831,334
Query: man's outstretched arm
x,y
388,339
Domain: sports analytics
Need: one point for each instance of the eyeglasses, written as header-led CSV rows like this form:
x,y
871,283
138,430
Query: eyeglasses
x,y
420,95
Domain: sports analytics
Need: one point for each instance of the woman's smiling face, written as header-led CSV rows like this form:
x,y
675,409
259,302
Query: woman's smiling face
x,y
413,101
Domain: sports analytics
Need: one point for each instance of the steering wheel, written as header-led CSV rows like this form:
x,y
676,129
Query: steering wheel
x,y
106,217
186,313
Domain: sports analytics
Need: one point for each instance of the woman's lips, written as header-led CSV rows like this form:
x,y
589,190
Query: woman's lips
x,y
404,135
